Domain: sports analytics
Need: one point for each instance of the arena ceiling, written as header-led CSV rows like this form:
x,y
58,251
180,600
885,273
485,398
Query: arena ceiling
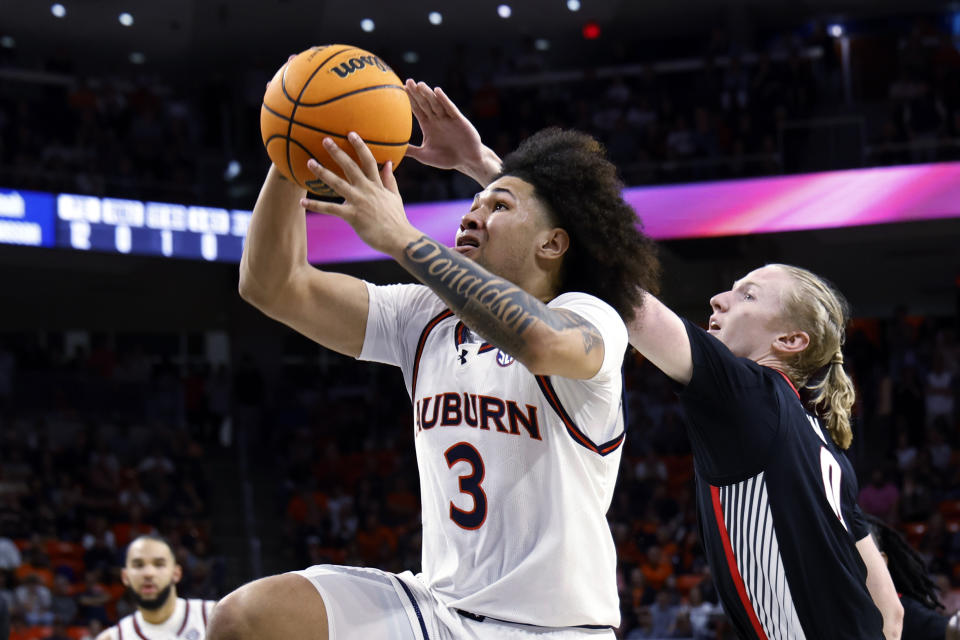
x,y
181,32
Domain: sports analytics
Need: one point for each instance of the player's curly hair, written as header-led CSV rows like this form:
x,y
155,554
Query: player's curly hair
x,y
609,256
907,567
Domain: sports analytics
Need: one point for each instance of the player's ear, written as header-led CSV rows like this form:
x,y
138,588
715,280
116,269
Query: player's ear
x,y
554,243
124,578
177,574
791,343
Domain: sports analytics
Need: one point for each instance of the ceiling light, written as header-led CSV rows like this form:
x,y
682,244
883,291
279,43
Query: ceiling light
x,y
7,42
367,25
573,5
541,44
58,10
435,17
411,57
137,58
835,30
232,171
126,19
504,11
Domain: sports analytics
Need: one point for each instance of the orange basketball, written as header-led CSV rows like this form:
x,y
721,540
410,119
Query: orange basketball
x,y
329,91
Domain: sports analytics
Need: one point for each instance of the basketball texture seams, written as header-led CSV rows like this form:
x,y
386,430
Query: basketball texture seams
x,y
328,92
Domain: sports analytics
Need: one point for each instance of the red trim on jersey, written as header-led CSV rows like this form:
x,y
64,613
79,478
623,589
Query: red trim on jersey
x,y
186,616
119,632
789,382
579,437
443,315
732,564
460,336
136,628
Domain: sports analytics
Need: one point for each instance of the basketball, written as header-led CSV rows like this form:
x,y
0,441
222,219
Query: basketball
x,y
329,91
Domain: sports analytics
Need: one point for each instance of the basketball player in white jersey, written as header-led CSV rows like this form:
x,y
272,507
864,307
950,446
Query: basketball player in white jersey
x,y
511,352
151,574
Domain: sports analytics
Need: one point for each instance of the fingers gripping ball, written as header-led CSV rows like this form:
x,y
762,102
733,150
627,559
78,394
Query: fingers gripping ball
x,y
329,91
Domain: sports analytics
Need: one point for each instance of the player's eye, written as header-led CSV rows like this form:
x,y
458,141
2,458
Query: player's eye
x,y
499,205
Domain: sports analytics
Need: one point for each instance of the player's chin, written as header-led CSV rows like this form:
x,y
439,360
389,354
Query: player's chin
x,y
468,251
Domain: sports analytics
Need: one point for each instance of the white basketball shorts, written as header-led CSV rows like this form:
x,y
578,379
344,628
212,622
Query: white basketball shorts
x,y
364,603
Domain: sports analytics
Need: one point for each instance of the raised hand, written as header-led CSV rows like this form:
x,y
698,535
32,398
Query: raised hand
x,y
450,141
372,204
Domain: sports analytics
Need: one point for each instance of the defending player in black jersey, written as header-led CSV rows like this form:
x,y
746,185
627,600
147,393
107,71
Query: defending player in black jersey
x,y
772,485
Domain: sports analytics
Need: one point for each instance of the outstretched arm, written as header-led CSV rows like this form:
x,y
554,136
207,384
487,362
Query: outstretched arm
x,y
661,337
450,141
880,586
547,341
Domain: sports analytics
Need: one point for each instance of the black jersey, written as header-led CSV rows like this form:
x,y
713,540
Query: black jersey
x,y
772,504
921,622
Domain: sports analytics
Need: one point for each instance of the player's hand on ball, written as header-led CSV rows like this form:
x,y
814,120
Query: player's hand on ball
x,y
450,141
372,204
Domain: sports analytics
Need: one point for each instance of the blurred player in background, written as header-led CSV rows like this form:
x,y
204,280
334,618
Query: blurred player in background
x,y
511,352
923,617
151,574
772,493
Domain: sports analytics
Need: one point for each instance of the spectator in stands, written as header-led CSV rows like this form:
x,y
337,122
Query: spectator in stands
x,y
644,626
703,614
10,558
33,600
656,567
938,392
63,605
663,612
880,496
94,598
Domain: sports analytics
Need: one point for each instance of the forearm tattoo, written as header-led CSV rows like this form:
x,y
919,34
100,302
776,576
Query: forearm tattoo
x,y
495,308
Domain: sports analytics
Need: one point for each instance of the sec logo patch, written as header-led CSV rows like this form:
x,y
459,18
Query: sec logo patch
x,y
503,359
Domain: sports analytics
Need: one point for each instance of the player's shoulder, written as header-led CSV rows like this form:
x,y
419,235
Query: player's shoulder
x,y
579,298
409,297
595,310
110,633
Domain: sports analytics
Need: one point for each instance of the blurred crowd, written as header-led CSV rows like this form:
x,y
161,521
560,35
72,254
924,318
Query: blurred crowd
x,y
81,475
330,438
720,109
100,443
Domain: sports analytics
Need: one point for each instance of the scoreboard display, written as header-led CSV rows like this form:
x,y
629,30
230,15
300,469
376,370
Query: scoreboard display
x,y
878,195
150,228
89,223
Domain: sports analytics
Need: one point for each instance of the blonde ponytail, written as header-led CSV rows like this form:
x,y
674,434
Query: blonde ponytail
x,y
832,399
815,307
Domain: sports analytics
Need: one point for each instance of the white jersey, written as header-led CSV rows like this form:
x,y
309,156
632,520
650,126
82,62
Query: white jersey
x,y
516,471
188,622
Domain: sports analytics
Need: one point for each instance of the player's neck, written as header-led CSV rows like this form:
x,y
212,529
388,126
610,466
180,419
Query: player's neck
x,y
161,615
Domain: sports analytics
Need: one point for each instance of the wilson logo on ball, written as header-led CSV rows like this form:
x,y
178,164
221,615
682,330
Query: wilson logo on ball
x,y
355,64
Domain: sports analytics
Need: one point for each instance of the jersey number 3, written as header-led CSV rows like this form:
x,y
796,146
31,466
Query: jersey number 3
x,y
469,484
